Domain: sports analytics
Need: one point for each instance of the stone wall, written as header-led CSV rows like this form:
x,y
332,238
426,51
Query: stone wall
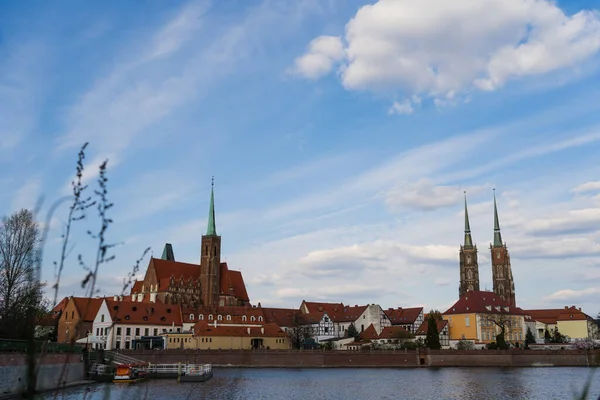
x,y
55,370
313,359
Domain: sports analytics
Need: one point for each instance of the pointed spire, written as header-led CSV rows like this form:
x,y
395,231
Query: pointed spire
x,y
167,253
497,235
468,239
212,229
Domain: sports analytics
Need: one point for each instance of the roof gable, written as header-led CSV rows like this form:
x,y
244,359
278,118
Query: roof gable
x,y
403,316
483,303
87,307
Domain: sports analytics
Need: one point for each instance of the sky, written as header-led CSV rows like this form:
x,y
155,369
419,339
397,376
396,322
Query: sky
x,y
341,135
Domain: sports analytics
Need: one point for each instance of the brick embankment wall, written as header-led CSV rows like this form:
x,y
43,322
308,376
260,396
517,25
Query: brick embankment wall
x,y
55,370
336,359
283,359
511,358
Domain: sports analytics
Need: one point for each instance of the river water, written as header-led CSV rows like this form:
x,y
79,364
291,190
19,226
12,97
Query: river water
x,y
364,384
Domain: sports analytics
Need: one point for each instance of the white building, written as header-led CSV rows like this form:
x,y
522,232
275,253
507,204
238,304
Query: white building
x,y
120,322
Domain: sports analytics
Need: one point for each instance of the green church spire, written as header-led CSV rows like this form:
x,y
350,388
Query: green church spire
x,y
168,253
468,239
212,229
497,235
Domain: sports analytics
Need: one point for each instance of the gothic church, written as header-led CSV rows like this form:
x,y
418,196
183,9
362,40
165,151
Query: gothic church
x,y
502,277
210,284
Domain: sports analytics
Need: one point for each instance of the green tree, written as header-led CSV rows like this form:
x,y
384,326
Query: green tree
x,y
464,344
558,337
501,342
352,331
432,340
547,336
529,338
436,314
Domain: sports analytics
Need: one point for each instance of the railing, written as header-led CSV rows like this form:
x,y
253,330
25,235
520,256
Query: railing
x,y
119,358
184,369
97,369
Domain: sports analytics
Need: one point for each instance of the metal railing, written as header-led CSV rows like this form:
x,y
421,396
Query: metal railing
x,y
183,369
119,358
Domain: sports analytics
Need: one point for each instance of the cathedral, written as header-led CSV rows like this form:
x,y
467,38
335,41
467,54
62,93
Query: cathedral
x,y
207,284
502,277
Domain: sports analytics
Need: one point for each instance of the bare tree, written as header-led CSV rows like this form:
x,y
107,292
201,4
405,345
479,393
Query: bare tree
x,y
19,290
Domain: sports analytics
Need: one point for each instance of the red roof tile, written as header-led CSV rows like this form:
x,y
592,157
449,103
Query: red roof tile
x,y
369,334
204,328
425,326
393,332
479,302
135,313
403,316
87,307
552,316
281,316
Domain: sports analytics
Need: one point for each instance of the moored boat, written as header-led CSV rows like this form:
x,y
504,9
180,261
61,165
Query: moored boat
x,y
127,373
196,373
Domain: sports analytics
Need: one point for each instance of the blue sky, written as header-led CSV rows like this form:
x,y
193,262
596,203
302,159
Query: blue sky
x,y
341,136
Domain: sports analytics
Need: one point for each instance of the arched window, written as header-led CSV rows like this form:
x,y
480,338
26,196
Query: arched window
x,y
243,317
253,318
220,317
215,251
201,317
260,318
471,288
206,250
470,274
229,318
210,317
191,317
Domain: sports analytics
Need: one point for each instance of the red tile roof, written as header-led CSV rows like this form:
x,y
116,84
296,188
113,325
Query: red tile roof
x,y
236,281
204,328
403,316
136,313
137,287
393,332
425,326
281,316
165,269
338,312
329,308
479,301
87,307
369,334
552,316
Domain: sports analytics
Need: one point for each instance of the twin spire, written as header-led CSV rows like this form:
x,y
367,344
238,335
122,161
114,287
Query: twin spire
x,y
497,236
211,230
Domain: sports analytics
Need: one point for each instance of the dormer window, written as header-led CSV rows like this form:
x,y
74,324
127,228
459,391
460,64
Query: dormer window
x,y
220,317
201,317
229,318
243,317
489,308
253,318
210,317
261,318
191,317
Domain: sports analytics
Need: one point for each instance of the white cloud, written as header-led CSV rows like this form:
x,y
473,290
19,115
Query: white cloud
x,y
424,195
403,108
27,195
443,48
587,187
581,295
574,220
323,52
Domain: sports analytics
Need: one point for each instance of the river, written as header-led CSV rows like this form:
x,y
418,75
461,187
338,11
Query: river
x,y
360,383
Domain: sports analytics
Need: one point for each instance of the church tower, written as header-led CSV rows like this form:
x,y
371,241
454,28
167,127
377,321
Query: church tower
x,y
210,259
469,269
504,285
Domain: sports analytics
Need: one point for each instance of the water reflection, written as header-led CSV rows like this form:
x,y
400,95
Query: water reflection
x,y
302,384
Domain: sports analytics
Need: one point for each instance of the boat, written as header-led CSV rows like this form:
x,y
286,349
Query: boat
x,y
196,373
129,373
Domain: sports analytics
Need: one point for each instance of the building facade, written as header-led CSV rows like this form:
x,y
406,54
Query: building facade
x,y
502,277
469,266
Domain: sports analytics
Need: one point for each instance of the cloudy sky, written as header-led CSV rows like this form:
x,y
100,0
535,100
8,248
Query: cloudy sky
x,y
341,135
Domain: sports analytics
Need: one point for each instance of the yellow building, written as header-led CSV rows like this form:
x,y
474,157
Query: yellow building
x,y
478,315
184,340
570,321
239,336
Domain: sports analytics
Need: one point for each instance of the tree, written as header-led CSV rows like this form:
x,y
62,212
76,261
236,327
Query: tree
x,y
529,338
19,290
298,331
436,314
558,337
502,321
464,344
547,336
432,340
352,331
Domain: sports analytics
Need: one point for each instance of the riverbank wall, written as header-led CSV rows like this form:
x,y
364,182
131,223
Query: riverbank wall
x,y
376,359
55,371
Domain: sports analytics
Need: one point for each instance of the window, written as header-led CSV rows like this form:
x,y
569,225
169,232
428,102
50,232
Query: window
x,y
102,318
326,329
201,317
467,321
128,332
191,317
155,331
72,314
118,344
137,331
119,331
260,318
146,331
127,344
362,328
229,318
210,317
243,317
178,330
97,331
253,318
219,317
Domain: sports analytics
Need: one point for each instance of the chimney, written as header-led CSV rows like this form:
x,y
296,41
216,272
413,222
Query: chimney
x,y
215,324
356,305
116,298
248,331
579,308
262,330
